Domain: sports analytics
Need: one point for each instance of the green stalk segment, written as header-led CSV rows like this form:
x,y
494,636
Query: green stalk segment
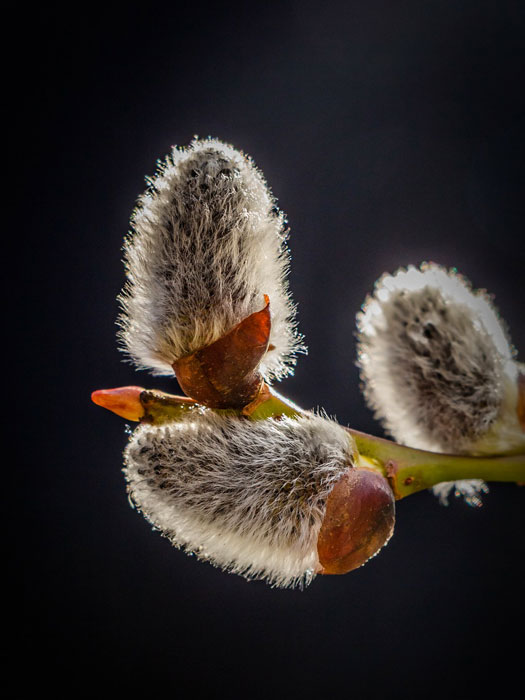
x,y
160,407
410,470
274,406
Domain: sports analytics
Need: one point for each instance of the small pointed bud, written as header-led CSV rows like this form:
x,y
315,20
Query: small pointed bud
x,y
124,401
146,405
359,521
225,374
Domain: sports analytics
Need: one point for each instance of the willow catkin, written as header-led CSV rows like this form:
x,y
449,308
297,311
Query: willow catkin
x,y
248,496
437,367
207,243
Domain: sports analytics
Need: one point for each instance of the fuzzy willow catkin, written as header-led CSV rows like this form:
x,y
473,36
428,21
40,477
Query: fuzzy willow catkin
x,y
207,243
438,368
247,496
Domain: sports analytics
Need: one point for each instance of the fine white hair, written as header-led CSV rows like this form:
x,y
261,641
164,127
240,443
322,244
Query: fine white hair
x,y
438,369
207,243
248,496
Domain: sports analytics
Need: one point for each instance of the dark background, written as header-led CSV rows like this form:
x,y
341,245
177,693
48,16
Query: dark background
x,y
391,133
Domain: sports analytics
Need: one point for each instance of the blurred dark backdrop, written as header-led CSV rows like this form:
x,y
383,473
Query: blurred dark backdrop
x,y
391,133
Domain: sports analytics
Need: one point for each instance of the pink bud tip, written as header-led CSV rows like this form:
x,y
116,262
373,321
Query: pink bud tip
x,y
124,401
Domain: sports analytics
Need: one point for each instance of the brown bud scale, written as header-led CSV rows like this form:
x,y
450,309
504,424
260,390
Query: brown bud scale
x,y
224,374
359,520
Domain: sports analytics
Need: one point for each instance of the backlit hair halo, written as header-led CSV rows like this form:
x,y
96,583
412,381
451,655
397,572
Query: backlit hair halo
x,y
234,472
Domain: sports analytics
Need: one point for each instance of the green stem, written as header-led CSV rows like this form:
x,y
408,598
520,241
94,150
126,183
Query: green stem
x,y
160,407
410,470
276,405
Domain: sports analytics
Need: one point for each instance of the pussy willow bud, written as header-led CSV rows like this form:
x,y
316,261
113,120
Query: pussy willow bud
x,y
279,500
438,368
207,244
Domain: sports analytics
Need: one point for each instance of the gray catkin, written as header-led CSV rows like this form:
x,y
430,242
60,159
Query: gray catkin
x,y
207,243
248,496
437,367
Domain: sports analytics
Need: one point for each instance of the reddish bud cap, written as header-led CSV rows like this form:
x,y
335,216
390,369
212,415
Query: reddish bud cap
x,y
224,374
359,520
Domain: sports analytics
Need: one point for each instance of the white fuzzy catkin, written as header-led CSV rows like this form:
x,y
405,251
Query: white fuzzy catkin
x,y
207,243
248,496
438,369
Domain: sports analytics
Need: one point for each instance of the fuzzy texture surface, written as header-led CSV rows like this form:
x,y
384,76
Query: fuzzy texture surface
x,y
468,489
207,243
438,369
248,496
